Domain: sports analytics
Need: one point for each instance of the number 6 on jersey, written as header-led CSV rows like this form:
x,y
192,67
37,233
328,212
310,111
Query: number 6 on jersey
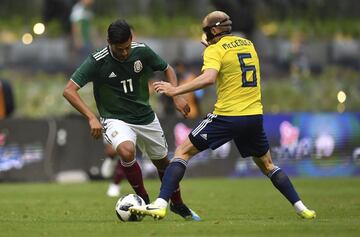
x,y
247,68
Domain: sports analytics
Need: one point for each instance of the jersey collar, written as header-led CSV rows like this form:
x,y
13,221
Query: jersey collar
x,y
111,53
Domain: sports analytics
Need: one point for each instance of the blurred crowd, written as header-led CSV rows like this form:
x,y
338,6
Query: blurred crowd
x,y
288,52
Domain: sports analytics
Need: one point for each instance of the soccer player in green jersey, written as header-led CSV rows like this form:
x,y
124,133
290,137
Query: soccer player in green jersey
x,y
120,73
231,63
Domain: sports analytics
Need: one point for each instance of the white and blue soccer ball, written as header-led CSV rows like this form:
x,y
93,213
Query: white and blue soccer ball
x,y
124,203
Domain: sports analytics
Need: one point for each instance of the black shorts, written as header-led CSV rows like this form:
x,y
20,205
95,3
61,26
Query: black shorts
x,y
246,131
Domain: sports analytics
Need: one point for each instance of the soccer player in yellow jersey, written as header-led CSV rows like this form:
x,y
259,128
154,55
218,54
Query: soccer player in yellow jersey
x,y
231,63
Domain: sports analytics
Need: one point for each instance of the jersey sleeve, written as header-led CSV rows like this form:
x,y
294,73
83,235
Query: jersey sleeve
x,y
85,73
154,60
212,58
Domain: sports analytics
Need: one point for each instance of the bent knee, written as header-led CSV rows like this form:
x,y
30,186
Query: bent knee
x,y
126,150
265,163
268,169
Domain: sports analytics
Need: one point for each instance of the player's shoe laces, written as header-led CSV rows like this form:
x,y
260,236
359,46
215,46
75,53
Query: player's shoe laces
x,y
149,210
184,211
307,214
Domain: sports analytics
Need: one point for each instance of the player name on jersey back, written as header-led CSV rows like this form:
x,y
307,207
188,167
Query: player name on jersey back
x,y
236,43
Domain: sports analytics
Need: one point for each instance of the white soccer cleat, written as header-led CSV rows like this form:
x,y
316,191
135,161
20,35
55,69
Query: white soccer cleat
x,y
113,190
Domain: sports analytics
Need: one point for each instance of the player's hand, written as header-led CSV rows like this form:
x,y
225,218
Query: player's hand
x,y
204,40
181,105
95,128
164,88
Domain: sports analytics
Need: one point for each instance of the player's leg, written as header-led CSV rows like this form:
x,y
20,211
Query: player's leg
x,y
131,168
176,203
123,140
119,173
108,166
282,182
209,133
278,177
172,177
176,169
161,165
152,143
118,176
200,138
255,144
112,167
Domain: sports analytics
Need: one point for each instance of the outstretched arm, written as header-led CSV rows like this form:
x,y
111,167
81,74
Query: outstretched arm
x,y
208,77
72,95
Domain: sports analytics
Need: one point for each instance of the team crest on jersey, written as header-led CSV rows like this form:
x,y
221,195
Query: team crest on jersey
x,y
138,66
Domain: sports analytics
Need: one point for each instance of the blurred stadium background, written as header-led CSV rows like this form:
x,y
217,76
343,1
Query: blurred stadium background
x,y
310,61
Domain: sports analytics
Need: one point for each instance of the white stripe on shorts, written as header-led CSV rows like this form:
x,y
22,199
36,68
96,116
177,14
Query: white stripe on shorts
x,y
203,124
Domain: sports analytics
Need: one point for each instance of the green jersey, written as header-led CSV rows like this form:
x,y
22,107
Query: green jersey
x,y
121,87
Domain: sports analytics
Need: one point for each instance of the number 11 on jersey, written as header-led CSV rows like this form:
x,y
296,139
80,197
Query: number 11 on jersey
x,y
127,84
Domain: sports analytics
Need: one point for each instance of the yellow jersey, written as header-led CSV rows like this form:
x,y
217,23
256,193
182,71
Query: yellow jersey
x,y
238,80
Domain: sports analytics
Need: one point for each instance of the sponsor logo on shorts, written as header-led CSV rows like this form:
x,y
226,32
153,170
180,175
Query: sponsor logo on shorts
x,y
204,136
114,134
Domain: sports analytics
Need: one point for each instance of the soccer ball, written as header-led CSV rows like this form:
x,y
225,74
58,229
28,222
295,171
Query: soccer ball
x,y
123,204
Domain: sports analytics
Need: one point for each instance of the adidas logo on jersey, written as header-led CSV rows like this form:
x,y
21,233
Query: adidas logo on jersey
x,y
112,75
204,136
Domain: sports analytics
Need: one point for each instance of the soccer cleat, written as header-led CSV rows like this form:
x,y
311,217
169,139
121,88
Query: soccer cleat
x,y
113,190
149,210
184,211
307,214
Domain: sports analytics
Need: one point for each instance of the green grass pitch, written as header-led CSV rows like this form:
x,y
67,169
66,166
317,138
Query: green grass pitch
x,y
228,207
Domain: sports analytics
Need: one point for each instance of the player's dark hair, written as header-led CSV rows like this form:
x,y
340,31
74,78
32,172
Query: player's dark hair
x,y
119,32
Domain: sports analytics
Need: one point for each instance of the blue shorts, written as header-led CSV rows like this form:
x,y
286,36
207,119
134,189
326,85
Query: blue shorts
x,y
246,131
